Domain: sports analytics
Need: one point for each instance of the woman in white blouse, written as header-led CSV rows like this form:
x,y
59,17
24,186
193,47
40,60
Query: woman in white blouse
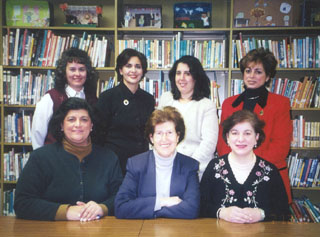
x,y
190,95
74,77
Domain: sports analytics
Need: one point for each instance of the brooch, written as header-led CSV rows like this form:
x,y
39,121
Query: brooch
x,y
126,102
261,112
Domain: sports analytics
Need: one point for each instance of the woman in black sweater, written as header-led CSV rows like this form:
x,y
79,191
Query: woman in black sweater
x,y
241,187
74,178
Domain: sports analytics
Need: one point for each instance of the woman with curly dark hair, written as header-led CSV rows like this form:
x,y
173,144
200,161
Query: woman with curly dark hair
x,y
74,77
190,95
73,178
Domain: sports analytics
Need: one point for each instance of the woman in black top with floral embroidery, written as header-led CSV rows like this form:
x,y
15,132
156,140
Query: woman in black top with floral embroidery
x,y
241,187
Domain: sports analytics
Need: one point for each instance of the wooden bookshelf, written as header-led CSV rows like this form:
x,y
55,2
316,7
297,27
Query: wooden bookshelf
x,y
110,26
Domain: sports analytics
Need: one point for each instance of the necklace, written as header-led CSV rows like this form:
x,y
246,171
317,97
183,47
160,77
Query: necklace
x,y
253,98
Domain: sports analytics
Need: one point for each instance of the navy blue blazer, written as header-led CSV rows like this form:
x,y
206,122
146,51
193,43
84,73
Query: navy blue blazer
x,y
137,195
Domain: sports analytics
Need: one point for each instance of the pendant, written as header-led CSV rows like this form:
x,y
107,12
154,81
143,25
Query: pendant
x,y
261,112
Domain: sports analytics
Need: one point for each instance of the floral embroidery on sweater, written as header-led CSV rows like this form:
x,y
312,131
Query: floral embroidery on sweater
x,y
262,175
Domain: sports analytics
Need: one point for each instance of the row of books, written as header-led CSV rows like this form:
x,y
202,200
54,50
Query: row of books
x,y
303,171
302,94
8,200
163,53
236,87
13,163
158,86
43,48
155,87
17,127
303,210
106,84
290,52
305,134
26,87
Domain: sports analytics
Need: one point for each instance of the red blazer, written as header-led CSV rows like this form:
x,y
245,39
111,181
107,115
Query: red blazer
x,y
278,130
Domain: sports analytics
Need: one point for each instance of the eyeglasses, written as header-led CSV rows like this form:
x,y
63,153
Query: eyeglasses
x,y
168,134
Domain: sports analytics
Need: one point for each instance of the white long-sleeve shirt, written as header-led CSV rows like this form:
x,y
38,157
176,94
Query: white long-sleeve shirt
x,y
201,122
42,116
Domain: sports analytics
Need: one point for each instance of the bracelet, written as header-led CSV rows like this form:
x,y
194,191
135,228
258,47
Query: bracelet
x,y
218,213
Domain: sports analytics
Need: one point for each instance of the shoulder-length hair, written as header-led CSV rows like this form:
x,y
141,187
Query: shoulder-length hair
x,y
78,56
202,81
74,103
167,114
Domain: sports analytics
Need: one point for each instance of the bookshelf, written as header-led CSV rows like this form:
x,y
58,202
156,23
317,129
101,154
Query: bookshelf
x,y
222,30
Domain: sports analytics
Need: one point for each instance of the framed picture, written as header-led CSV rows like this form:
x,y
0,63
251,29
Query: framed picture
x,y
192,15
81,15
252,13
28,13
141,16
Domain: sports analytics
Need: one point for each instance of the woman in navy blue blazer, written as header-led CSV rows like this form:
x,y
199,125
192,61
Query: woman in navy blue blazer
x,y
160,182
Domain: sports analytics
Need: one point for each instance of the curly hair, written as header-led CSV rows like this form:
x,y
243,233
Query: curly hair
x,y
240,117
78,56
263,56
167,114
202,81
74,103
125,56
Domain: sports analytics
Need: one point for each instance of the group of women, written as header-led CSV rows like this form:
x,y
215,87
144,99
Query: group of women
x,y
80,175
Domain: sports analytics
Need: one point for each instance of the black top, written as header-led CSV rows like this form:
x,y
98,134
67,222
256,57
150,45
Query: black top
x,y
263,189
52,177
125,115
251,97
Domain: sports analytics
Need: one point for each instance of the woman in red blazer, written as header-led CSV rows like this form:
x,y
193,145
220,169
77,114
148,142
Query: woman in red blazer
x,y
257,68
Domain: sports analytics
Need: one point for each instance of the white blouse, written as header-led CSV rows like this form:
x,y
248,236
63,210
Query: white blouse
x,y
201,122
42,116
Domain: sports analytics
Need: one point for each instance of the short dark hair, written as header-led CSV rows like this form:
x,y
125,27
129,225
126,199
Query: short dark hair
x,y
202,81
240,117
74,103
167,114
263,56
125,56
78,56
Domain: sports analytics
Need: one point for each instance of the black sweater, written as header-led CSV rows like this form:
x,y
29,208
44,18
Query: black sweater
x,y
262,189
52,177
125,115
